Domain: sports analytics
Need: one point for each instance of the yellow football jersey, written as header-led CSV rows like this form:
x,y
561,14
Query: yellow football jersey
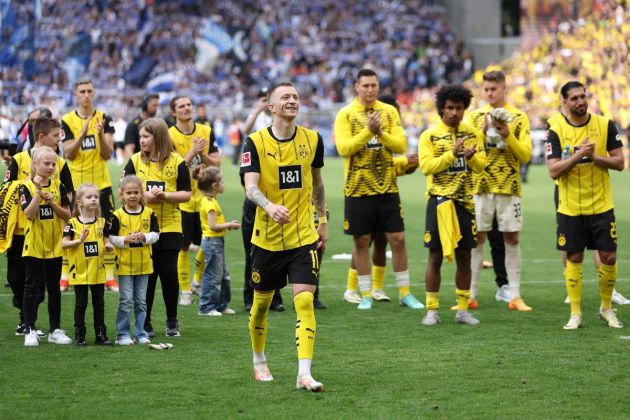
x,y
135,259
86,262
502,174
20,168
88,165
207,205
285,178
183,143
585,189
449,175
368,160
172,176
42,236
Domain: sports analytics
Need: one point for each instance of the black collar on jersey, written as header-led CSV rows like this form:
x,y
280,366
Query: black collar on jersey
x,y
186,134
133,214
577,126
76,111
87,223
282,140
48,185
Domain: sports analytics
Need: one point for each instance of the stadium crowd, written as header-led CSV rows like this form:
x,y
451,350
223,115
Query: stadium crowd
x,y
594,49
410,45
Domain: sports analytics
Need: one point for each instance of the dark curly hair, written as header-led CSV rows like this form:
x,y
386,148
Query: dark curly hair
x,y
453,93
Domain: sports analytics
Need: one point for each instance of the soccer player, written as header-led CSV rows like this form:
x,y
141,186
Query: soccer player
x,y
259,118
581,148
195,143
148,109
87,146
497,188
367,134
281,165
449,152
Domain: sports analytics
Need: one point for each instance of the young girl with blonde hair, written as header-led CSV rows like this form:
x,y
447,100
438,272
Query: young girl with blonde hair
x,y
46,206
86,237
133,229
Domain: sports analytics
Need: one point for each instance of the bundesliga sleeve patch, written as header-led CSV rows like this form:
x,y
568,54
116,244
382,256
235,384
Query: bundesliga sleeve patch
x,y
246,159
549,151
7,175
22,199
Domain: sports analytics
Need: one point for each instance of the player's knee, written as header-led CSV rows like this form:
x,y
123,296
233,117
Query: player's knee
x,y
435,259
396,240
511,238
608,258
362,241
303,302
462,257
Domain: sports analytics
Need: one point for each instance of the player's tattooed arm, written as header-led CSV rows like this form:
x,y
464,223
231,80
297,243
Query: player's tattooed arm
x,y
257,196
276,212
319,196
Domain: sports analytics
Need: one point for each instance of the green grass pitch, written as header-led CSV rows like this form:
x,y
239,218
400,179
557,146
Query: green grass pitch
x,y
376,364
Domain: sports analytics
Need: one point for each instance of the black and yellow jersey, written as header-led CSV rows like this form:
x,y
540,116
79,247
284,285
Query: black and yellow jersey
x,y
207,205
42,235
502,174
368,165
554,119
86,262
88,165
183,143
585,189
20,168
286,179
449,175
135,259
171,176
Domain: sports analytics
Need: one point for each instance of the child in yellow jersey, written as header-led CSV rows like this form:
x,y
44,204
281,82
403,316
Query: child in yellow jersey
x,y
46,207
133,228
86,237
215,287
46,132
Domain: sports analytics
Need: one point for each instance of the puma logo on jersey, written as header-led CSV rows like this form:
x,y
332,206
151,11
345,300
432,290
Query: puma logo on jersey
x,y
273,155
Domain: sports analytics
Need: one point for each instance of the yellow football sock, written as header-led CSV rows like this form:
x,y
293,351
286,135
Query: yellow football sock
x,y
402,280
378,277
462,299
573,283
433,300
607,279
183,270
258,320
200,263
64,266
110,266
353,280
304,325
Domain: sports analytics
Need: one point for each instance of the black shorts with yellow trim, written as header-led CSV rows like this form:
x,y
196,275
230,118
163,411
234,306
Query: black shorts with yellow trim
x,y
596,231
191,228
106,198
467,227
272,269
364,215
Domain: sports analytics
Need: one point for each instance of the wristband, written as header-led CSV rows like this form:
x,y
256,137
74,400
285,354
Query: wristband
x,y
323,220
